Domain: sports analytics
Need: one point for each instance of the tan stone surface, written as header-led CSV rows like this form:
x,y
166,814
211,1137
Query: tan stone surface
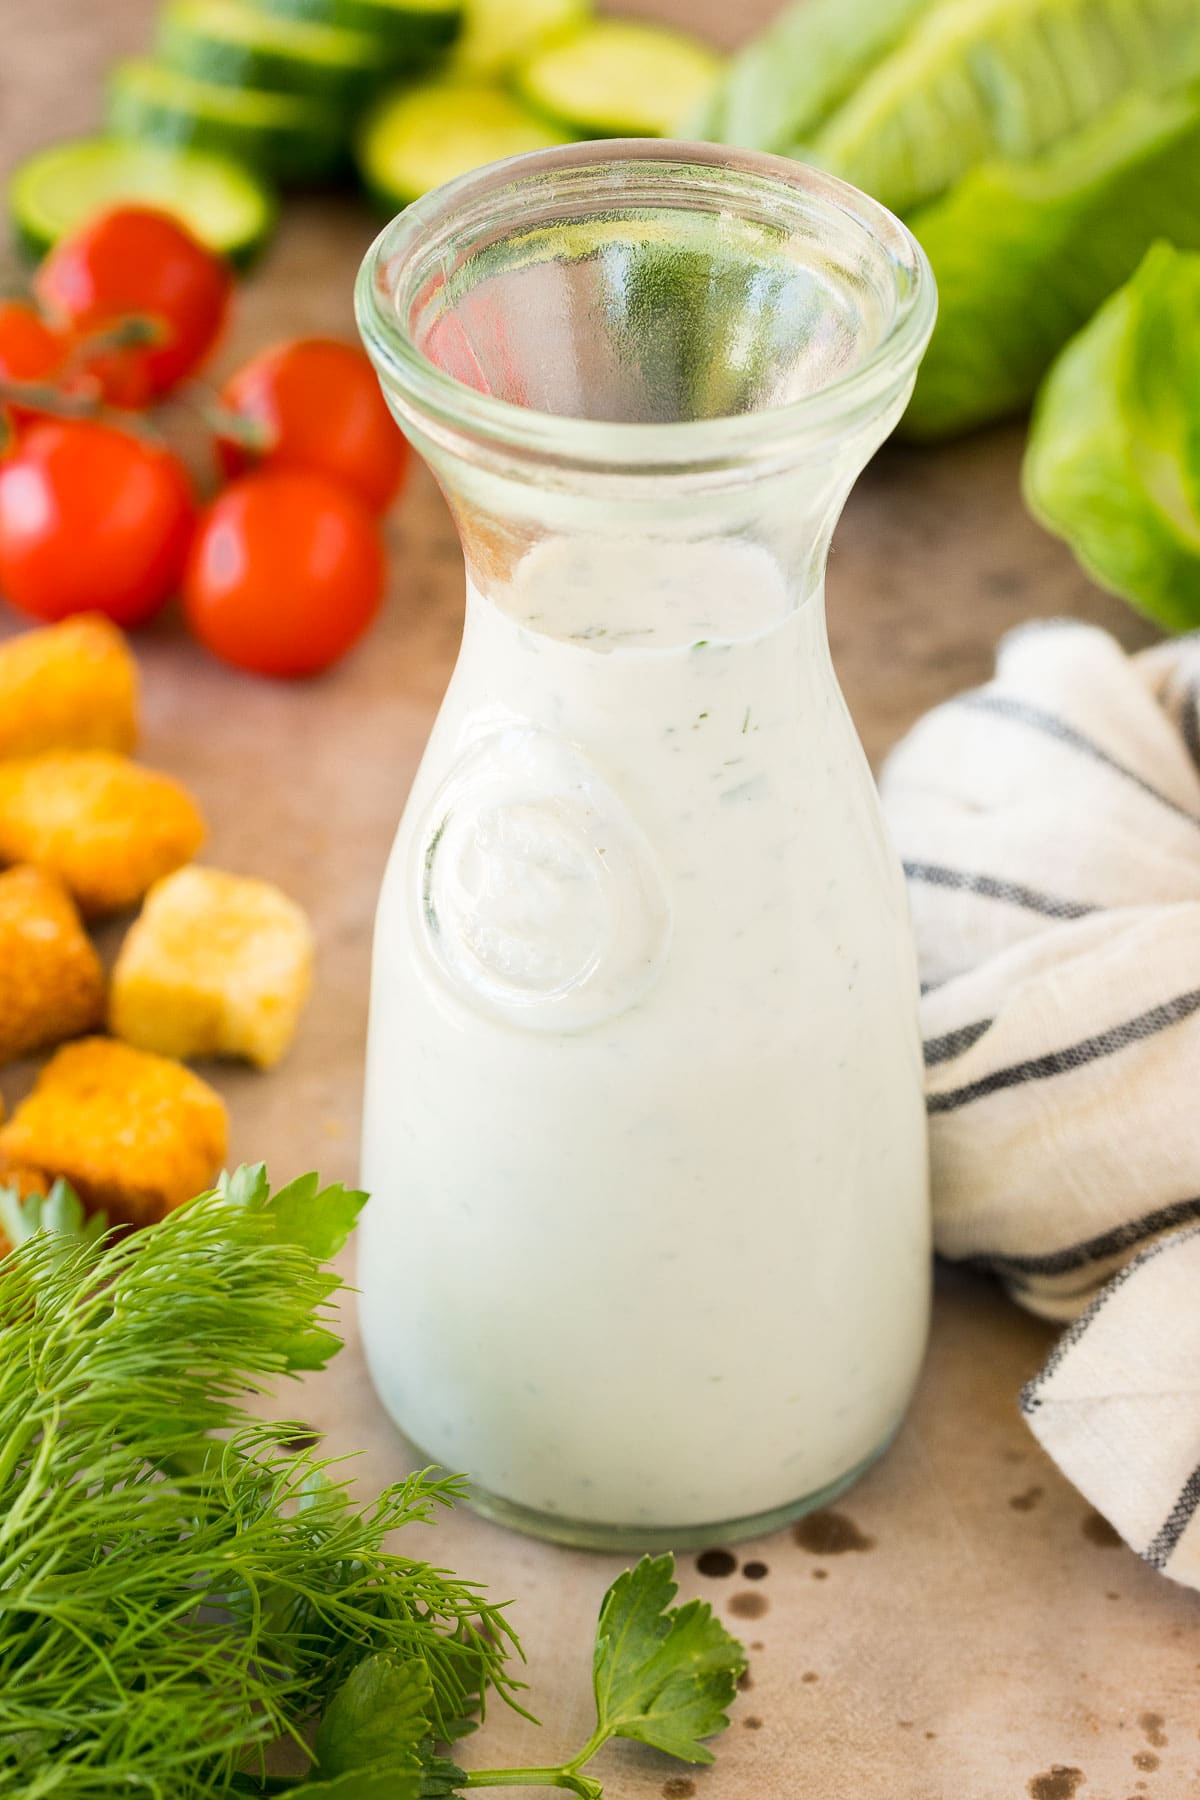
x,y
988,1636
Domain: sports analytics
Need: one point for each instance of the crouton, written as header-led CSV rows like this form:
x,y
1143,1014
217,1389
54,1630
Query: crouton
x,y
107,828
217,965
132,1133
51,981
69,687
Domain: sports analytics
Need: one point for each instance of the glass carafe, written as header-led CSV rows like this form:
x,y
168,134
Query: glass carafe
x,y
647,1254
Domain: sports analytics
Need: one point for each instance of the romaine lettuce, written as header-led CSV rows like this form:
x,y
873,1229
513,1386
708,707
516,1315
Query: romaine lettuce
x,y
786,81
1113,463
976,79
903,97
1024,252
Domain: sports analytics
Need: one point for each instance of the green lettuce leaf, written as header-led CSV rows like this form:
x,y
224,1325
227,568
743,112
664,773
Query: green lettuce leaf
x,y
903,97
1113,462
786,81
980,79
1023,254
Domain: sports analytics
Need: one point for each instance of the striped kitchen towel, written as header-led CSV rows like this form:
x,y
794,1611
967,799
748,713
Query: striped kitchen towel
x,y
1118,1404
1049,825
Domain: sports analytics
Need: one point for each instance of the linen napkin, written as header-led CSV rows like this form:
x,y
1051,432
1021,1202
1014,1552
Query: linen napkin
x,y
1049,825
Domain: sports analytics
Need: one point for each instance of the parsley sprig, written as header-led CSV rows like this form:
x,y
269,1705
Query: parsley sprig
x,y
181,1592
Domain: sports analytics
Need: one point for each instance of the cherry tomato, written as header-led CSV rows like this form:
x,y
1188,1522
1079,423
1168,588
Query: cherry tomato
x,y
285,574
137,264
92,520
30,350
318,406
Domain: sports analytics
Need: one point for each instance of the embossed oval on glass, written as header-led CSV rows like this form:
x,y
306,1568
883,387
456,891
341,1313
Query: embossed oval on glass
x,y
647,1253
539,896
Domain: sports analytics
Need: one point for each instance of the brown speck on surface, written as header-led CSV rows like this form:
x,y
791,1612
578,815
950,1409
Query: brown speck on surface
x,y
1145,1759
716,1562
751,1723
301,1440
820,1574
755,1571
1058,1783
1097,1530
810,1675
1027,1501
905,1724
749,1606
1152,1724
679,1787
1110,1595
830,1534
1012,1456
1004,582
930,1736
745,1681
758,1644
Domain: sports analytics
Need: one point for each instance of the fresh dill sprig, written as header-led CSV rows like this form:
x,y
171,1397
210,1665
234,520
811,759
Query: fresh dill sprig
x,y
178,1589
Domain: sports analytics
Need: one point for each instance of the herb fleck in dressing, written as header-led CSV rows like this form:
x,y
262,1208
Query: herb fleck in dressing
x,y
649,1242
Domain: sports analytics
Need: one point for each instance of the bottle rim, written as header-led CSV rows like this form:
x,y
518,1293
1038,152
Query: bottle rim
x,y
416,248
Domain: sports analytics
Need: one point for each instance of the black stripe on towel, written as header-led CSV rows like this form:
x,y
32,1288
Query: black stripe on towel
x,y
1003,706
954,1043
1159,1550
1013,893
1031,1396
1097,1249
1189,721
1075,1056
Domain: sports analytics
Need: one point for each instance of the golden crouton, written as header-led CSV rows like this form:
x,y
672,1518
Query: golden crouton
x,y
107,828
69,687
217,965
132,1133
51,982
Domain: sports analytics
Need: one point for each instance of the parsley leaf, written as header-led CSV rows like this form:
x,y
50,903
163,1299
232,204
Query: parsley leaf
x,y
60,1211
440,1778
663,1675
380,1708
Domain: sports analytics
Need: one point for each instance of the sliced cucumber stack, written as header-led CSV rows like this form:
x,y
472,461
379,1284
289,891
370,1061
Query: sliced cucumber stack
x,y
228,43
498,35
290,136
619,78
419,137
409,33
221,200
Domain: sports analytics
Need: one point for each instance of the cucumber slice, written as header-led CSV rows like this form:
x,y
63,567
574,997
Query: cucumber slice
x,y
228,206
620,78
416,138
409,33
498,35
286,135
227,42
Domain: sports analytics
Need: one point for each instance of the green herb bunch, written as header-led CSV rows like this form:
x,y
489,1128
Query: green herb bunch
x,y
172,1601
181,1590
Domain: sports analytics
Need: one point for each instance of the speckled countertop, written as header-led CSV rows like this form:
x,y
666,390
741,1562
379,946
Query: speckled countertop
x,y
963,1628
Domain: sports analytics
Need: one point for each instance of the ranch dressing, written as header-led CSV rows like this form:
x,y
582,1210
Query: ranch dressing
x,y
648,1247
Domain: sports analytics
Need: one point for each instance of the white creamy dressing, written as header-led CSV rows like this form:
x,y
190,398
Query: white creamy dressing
x,y
648,1242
